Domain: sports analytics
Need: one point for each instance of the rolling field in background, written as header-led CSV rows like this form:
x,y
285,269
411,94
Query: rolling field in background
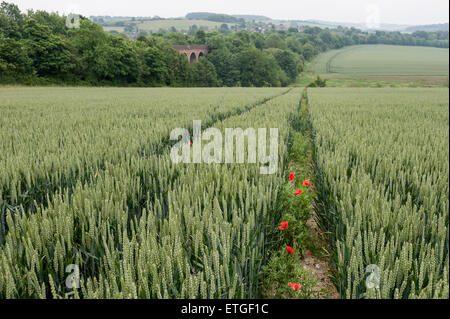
x,y
180,25
382,60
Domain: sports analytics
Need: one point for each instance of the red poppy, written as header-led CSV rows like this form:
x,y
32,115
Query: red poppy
x,y
291,177
190,143
298,192
296,286
309,254
290,249
283,225
306,182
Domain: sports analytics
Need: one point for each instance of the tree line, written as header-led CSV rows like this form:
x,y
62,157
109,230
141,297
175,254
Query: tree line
x,y
37,48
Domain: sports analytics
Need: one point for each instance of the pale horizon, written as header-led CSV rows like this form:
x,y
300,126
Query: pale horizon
x,y
399,12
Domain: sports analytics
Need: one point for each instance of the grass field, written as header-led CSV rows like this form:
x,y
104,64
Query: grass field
x,y
383,60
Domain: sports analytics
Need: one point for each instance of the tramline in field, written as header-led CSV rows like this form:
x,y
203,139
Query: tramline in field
x,y
88,190
382,160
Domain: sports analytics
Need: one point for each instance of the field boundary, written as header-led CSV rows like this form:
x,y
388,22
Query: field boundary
x,y
330,60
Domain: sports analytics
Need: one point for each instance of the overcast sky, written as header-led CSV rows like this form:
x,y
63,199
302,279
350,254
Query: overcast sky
x,y
389,11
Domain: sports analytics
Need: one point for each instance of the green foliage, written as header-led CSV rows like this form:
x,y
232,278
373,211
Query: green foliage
x,y
226,66
258,69
318,83
11,20
289,62
203,73
274,40
282,270
116,61
13,57
56,23
88,55
50,55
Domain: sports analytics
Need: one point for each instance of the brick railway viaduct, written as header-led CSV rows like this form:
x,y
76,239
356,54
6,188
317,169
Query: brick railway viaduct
x,y
193,52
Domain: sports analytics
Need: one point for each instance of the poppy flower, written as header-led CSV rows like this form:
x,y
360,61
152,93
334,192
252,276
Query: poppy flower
x,y
306,182
296,286
190,143
309,254
298,192
291,177
290,249
283,225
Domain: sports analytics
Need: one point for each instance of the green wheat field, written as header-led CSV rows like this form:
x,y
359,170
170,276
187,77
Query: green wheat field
x,y
384,60
86,178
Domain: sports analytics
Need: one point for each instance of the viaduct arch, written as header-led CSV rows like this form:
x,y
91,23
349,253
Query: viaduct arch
x,y
193,52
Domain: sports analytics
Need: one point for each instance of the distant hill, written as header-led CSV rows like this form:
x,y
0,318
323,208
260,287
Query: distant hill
x,y
211,21
428,28
251,17
215,17
387,26
362,26
227,18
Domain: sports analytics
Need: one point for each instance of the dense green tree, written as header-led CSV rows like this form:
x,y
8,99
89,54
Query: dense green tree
x,y
294,45
258,40
116,61
200,37
50,54
203,73
56,23
154,70
226,66
224,29
258,69
309,51
274,40
288,61
11,20
14,58
177,38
